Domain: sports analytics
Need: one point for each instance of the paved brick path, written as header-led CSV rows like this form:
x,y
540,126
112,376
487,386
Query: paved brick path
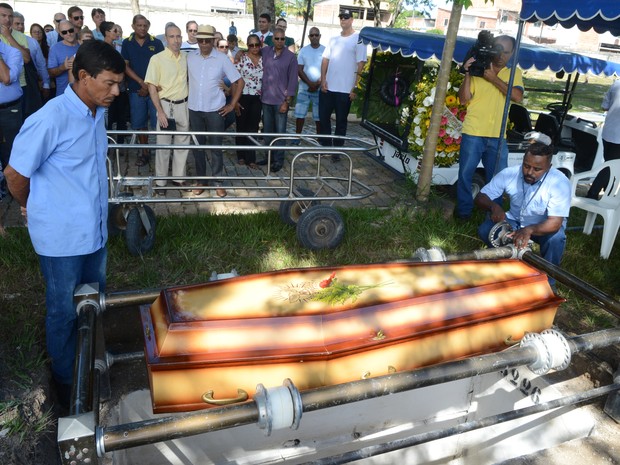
x,y
387,184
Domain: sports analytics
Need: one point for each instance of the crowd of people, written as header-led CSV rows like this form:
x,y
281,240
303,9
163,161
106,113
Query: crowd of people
x,y
191,79
64,85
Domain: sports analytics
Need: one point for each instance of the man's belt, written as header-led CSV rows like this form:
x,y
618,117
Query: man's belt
x,y
175,102
13,103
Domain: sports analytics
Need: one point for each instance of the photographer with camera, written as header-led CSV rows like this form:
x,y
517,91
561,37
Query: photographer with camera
x,y
484,92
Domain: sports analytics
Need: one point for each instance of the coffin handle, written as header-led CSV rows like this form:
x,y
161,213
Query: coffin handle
x,y
242,396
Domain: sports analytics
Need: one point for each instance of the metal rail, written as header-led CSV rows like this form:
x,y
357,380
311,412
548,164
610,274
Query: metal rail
x,y
310,155
134,434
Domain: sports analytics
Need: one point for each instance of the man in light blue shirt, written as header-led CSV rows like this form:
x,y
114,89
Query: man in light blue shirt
x,y
58,175
539,203
11,64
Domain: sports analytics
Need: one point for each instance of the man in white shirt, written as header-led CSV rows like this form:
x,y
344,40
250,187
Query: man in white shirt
x,y
309,65
191,27
264,24
207,67
339,78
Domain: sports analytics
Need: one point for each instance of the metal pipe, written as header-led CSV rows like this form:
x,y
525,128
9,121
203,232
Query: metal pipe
x,y
81,392
122,357
145,432
586,290
129,298
467,426
162,429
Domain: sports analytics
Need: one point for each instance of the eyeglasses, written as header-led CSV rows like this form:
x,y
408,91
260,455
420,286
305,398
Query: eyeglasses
x,y
75,18
314,35
279,38
68,31
222,46
203,41
345,17
192,30
57,20
255,45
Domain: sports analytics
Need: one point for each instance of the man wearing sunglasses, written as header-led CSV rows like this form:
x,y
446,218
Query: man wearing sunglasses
x,y
343,61
54,36
61,55
76,16
191,43
206,69
309,65
279,86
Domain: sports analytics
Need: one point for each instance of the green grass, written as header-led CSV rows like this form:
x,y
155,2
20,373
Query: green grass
x,y
587,97
190,248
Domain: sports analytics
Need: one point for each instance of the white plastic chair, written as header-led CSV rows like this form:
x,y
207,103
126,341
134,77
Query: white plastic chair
x,y
608,206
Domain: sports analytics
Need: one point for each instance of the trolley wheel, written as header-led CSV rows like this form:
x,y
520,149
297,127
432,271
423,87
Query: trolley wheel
x,y
140,237
116,219
290,211
320,227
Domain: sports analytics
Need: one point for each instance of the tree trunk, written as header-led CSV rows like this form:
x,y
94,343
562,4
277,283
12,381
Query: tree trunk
x,y
135,7
264,6
395,13
430,145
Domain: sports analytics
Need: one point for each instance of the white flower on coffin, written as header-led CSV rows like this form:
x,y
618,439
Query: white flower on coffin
x,y
417,119
417,131
419,142
428,101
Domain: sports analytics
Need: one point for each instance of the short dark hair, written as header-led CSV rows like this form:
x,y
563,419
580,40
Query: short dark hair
x,y
95,56
252,36
6,6
232,38
539,149
106,26
137,18
267,16
72,10
95,11
281,19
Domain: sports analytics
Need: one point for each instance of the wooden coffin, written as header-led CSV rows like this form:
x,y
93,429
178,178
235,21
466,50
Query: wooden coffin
x,y
323,326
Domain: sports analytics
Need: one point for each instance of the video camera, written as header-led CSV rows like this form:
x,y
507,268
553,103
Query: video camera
x,y
484,50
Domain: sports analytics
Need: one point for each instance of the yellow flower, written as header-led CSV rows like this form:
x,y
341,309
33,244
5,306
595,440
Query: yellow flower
x,y
450,100
427,122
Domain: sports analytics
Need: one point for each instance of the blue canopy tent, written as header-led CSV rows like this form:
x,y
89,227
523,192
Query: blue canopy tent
x,y
425,46
602,15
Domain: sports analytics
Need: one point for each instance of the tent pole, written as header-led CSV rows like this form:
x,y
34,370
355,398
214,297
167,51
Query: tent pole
x,y
502,131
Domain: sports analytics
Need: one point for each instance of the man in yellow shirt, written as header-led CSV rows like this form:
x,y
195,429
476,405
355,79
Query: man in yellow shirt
x,y
166,77
482,135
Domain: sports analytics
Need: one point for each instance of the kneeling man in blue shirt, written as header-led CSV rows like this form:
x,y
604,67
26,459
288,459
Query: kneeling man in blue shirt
x,y
539,203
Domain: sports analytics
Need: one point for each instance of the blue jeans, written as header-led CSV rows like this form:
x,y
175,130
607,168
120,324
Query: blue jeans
x,y
141,112
473,150
551,245
330,102
203,121
62,275
274,122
